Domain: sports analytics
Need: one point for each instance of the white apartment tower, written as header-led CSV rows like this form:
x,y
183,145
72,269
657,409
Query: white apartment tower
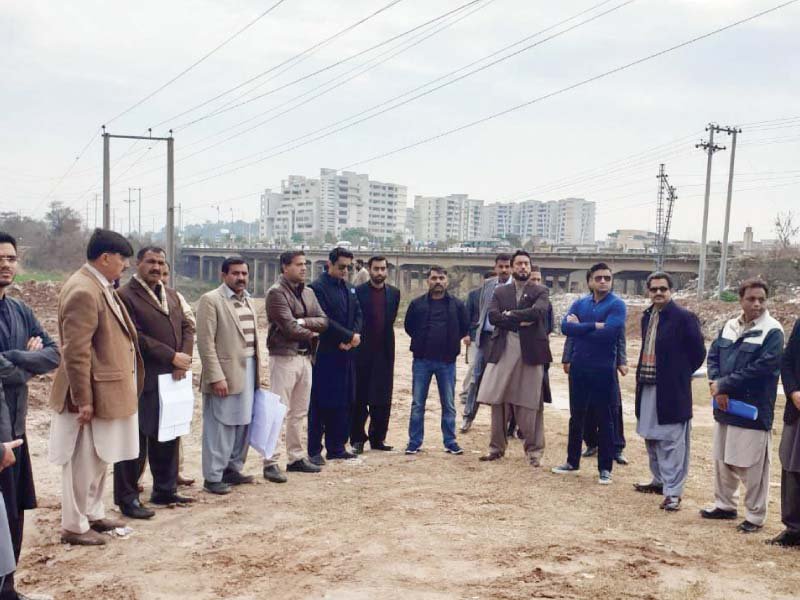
x,y
442,218
335,202
567,221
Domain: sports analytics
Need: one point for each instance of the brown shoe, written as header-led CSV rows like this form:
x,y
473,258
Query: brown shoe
x,y
536,462
490,456
185,481
90,538
102,525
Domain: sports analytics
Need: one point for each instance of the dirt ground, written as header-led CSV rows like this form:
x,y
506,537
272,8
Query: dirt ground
x,y
431,526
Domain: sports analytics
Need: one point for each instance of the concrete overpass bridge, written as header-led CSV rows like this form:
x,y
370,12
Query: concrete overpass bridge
x,y
563,272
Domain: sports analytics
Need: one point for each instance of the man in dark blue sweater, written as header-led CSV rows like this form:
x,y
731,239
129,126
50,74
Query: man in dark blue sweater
x,y
593,323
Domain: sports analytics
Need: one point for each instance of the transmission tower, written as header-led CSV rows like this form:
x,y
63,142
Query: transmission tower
x,y
664,215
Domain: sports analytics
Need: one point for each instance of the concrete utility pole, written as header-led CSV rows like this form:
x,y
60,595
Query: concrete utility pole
x,y
723,262
128,202
95,210
710,148
170,228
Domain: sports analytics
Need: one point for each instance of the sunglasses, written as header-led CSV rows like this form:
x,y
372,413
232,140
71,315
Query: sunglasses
x,y
602,277
661,289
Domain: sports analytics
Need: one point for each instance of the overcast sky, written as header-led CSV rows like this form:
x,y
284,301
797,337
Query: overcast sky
x,y
69,67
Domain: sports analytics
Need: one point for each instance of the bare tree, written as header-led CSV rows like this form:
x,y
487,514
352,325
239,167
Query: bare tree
x,y
785,229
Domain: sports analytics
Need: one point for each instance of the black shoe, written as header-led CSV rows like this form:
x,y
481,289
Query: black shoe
x,y
217,487
491,456
786,539
314,460
358,447
381,446
166,499
649,488
236,478
590,451
274,474
717,513
747,527
620,459
304,465
135,510
344,455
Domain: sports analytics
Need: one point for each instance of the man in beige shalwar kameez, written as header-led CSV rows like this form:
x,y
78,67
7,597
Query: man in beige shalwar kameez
x,y
512,382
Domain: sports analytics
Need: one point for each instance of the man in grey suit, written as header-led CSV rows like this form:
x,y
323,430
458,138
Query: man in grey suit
x,y
230,353
502,269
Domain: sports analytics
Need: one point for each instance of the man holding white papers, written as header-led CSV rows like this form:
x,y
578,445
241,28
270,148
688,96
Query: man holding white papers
x,y
227,341
743,365
295,322
166,338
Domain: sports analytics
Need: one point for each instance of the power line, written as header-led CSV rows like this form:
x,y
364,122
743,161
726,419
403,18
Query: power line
x,y
294,58
197,62
575,85
407,100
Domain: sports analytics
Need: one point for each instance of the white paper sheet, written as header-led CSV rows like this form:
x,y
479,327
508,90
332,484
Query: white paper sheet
x,y
265,428
176,403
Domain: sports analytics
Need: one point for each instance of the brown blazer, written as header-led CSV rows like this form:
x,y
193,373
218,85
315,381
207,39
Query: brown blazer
x,y
533,308
221,343
284,307
98,361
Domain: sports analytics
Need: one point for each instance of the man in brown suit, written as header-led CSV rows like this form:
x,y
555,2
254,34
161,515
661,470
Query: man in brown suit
x,y
96,388
166,338
513,381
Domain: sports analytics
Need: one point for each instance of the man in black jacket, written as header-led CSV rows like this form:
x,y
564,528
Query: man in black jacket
x,y
672,349
790,444
437,324
379,302
334,374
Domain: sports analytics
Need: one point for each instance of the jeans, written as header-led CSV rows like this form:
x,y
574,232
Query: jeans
x,y
422,371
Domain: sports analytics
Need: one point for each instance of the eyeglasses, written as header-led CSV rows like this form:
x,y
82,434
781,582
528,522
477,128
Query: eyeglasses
x,y
661,289
599,278
9,258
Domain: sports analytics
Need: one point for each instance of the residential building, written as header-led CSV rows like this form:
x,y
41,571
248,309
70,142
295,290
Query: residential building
x,y
270,205
442,218
563,222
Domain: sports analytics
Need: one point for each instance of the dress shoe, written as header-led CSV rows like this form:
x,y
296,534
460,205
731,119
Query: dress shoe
x,y
345,455
747,527
167,499
786,538
217,487
717,513
620,459
649,488
304,465
314,460
590,451
466,424
90,538
671,503
102,525
358,447
381,446
236,478
135,510
490,457
185,481
274,474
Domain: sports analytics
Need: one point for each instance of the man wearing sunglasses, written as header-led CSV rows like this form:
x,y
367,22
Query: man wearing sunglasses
x,y
593,322
672,349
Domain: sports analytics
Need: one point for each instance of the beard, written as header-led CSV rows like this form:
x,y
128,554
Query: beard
x,y
521,276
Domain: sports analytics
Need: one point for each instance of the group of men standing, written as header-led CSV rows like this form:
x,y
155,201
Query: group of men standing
x,y
332,349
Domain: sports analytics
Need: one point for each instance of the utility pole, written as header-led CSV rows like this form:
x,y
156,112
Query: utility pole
x,y
95,210
128,202
723,262
171,208
710,148
664,218
106,180
660,204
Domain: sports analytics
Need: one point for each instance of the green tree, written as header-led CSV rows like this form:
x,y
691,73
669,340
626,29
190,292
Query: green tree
x,y
354,235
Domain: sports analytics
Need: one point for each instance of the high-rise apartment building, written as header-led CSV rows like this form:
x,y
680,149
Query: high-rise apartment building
x,y
567,221
334,202
441,218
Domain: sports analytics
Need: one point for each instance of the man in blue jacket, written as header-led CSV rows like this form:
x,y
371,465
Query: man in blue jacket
x,y
594,323
743,364
437,323
672,349
333,387
26,350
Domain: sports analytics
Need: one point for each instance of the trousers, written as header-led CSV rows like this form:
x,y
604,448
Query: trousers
x,y
163,459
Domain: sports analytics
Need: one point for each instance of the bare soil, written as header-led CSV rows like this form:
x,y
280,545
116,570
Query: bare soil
x,y
431,526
